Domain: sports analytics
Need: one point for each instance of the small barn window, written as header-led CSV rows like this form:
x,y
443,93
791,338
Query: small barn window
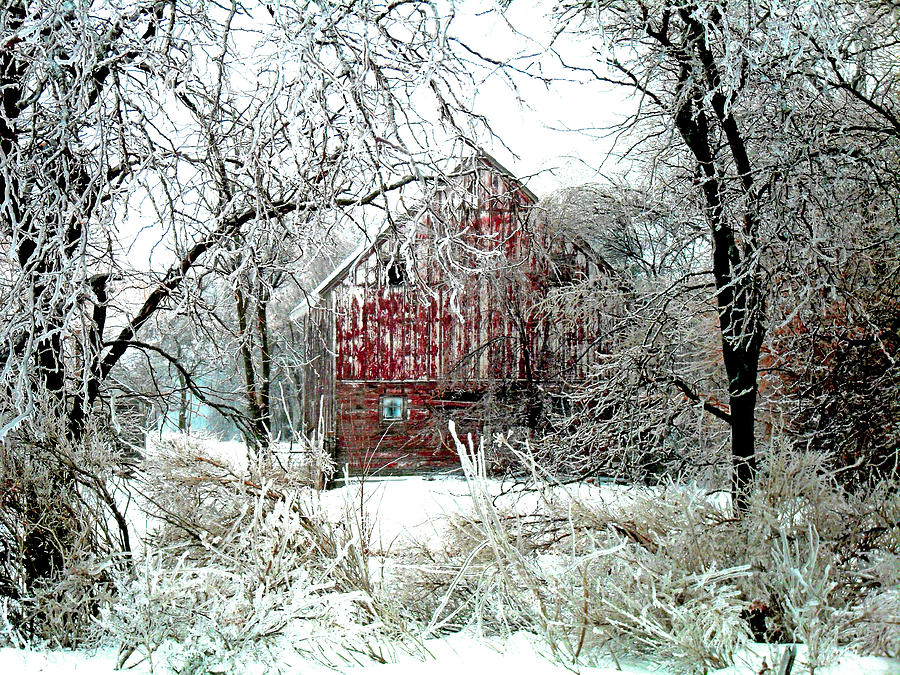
x,y
563,269
392,408
396,274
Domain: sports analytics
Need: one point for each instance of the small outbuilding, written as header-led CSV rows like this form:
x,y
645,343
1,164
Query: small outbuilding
x,y
444,306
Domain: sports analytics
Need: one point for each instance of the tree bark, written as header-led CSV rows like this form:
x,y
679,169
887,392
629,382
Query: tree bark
x,y
265,360
251,388
739,299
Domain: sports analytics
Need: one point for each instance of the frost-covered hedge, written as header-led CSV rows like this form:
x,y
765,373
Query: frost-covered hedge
x,y
235,568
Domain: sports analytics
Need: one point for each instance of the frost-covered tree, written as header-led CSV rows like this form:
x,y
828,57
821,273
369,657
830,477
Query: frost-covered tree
x,y
654,399
777,124
141,140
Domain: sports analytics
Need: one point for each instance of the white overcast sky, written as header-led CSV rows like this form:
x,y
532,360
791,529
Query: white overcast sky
x,y
556,133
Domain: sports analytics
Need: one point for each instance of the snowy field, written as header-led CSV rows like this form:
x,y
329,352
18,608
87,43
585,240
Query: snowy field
x,y
454,655
395,516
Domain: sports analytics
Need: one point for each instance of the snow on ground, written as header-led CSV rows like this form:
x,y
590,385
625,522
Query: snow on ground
x,y
411,510
57,662
233,453
452,655
521,654
416,510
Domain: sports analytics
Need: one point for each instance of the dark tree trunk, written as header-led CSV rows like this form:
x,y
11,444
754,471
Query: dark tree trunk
x,y
743,447
183,425
265,361
739,298
257,401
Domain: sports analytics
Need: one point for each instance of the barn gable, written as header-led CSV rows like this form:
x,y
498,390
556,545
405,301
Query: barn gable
x,y
418,323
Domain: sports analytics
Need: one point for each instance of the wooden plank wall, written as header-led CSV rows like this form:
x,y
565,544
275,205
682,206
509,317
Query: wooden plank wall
x,y
369,445
318,372
459,326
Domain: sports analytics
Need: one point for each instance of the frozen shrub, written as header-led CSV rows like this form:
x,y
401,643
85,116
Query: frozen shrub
x,y
823,555
234,563
669,570
806,585
636,577
666,573
61,533
653,608
872,626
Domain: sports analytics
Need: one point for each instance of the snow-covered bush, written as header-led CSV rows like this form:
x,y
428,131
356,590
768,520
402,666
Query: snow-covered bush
x,y
806,584
668,572
825,556
61,533
222,595
234,564
637,576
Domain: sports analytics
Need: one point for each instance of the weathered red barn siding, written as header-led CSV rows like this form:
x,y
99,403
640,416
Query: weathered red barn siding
x,y
368,445
319,372
437,330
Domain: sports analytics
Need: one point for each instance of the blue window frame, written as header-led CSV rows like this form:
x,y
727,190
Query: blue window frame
x,y
392,408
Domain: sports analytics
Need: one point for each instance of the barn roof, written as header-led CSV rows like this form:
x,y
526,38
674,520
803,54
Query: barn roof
x,y
369,244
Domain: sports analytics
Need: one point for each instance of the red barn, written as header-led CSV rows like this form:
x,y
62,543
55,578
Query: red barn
x,y
418,324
